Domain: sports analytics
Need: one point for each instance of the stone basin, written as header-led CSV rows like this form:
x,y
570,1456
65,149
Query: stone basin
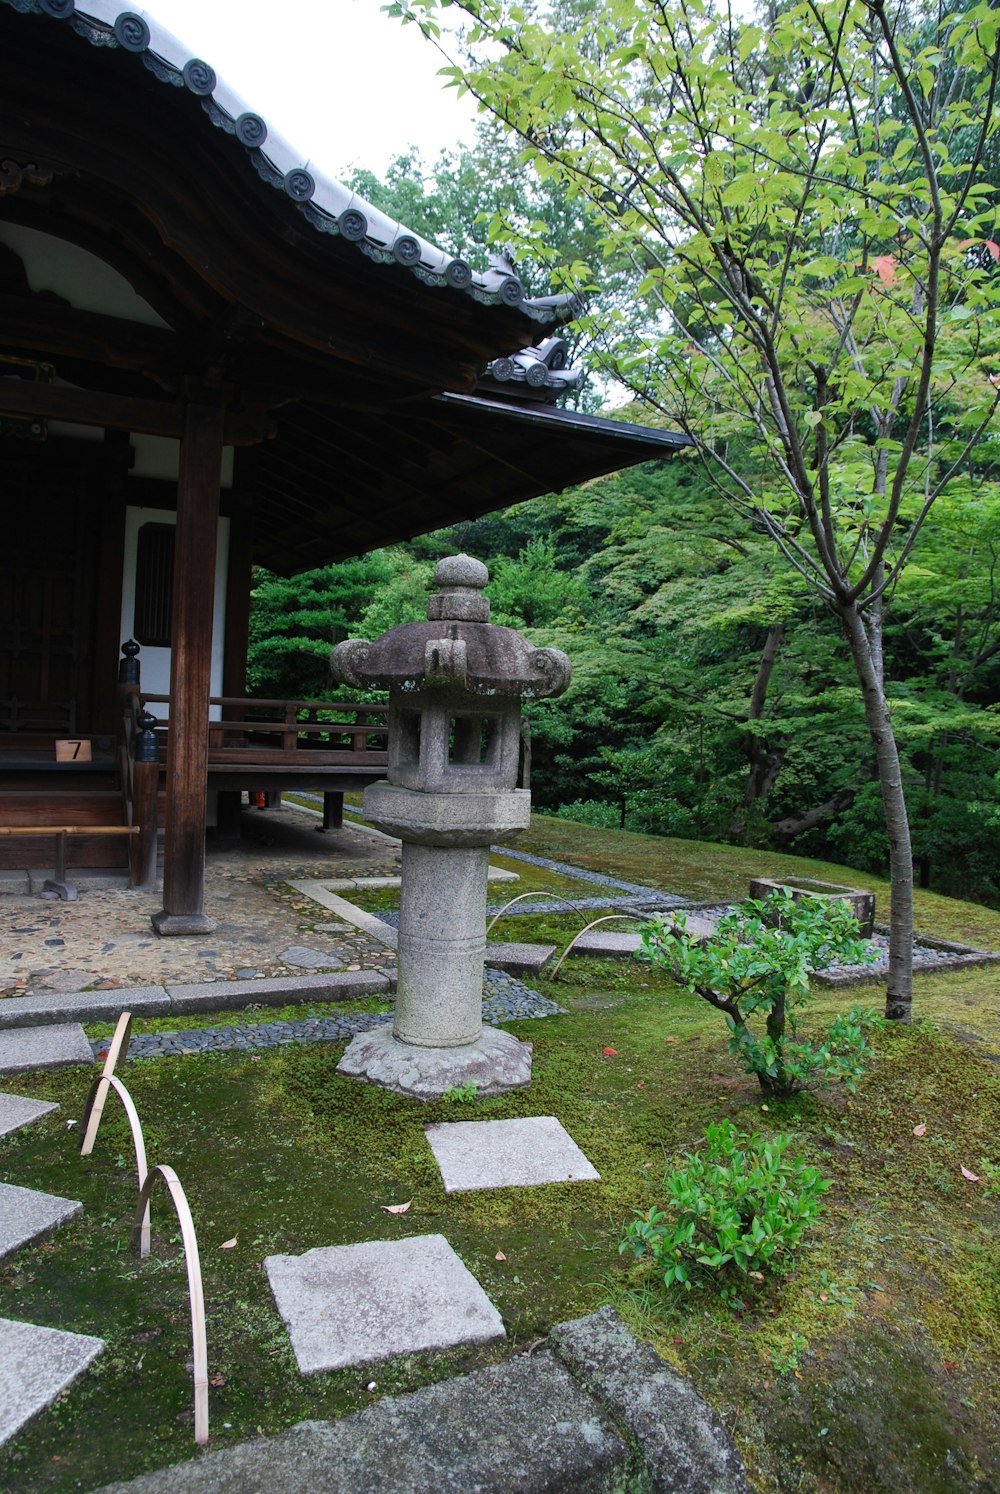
x,y
861,903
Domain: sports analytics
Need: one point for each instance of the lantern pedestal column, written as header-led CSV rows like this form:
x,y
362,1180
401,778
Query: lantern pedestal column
x,y
438,1041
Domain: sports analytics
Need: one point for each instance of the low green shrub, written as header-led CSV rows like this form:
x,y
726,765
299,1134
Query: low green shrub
x,y
755,970
735,1210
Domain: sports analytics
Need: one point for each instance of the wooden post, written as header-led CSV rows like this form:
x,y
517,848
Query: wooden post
x,y
183,909
333,811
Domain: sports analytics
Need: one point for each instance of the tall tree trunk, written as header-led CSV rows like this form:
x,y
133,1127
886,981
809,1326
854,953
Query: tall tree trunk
x,y
764,765
899,991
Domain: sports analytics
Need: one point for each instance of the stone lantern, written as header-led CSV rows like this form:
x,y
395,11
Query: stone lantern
x,y
455,685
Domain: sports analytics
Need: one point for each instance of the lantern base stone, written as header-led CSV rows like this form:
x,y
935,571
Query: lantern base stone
x,y
494,1063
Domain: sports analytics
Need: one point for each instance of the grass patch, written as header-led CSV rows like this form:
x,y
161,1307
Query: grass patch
x,y
874,1367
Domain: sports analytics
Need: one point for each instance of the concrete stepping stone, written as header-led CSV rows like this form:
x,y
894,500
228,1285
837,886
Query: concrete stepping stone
x,y
606,942
23,1049
355,1304
519,959
507,1154
17,1111
27,1215
36,1365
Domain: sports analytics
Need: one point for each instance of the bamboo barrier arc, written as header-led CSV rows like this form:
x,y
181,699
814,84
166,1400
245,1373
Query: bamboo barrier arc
x,y
196,1293
606,918
94,1109
552,897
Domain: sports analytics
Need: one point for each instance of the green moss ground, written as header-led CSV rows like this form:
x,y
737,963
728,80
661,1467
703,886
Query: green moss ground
x,y
874,1367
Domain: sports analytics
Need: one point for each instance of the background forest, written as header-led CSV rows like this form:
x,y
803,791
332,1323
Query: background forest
x,y
714,696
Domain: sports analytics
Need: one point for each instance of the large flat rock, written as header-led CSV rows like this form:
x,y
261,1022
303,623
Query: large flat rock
x,y
521,1426
23,1049
27,1216
36,1365
507,1154
17,1111
355,1304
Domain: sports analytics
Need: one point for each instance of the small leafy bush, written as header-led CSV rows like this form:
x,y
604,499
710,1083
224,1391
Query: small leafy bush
x,y
755,970
737,1209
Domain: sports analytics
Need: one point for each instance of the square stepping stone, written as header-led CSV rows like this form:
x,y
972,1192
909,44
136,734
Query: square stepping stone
x,y
17,1111
507,1154
355,1304
23,1049
26,1216
36,1365
519,959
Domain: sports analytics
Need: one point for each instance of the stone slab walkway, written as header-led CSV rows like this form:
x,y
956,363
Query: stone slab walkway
x,y
17,1111
24,1049
519,959
36,1365
357,1304
507,1154
27,1216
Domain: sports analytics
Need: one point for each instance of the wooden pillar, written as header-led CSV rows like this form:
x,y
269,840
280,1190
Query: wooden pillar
x,y
183,909
234,660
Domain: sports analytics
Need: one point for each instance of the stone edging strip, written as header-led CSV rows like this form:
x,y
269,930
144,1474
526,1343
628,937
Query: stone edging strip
x,y
207,996
593,1409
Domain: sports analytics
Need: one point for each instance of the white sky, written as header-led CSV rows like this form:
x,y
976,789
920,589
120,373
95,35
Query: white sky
x,y
339,80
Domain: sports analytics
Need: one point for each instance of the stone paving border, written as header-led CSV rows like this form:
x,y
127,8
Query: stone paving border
x,y
593,1410
358,1304
36,1365
17,1111
318,889
205,996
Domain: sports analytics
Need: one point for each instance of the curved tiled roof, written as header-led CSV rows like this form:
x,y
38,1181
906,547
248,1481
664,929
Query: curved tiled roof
x,y
326,203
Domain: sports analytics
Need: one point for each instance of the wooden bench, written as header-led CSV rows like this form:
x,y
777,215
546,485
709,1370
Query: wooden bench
x,y
59,883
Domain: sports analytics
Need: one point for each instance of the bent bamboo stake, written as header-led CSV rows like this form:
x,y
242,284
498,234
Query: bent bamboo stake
x,y
117,1049
607,918
195,1291
552,896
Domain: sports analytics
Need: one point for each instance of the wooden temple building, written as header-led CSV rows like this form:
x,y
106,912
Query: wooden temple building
x,y
212,357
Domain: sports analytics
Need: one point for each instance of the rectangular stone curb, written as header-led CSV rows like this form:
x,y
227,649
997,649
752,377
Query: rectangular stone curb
x,y
17,1111
318,891
23,1049
84,1006
27,1215
524,1425
36,1365
225,995
684,1443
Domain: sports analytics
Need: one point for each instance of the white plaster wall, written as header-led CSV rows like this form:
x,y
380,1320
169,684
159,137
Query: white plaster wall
x,y
155,662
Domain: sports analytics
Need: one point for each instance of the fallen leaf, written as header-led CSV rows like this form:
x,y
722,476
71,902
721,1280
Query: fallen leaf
x,y
823,1297
951,1365
499,1256
973,1177
610,1052
671,1040
641,1084
397,1208
757,1275
217,1380
229,1244
920,1130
